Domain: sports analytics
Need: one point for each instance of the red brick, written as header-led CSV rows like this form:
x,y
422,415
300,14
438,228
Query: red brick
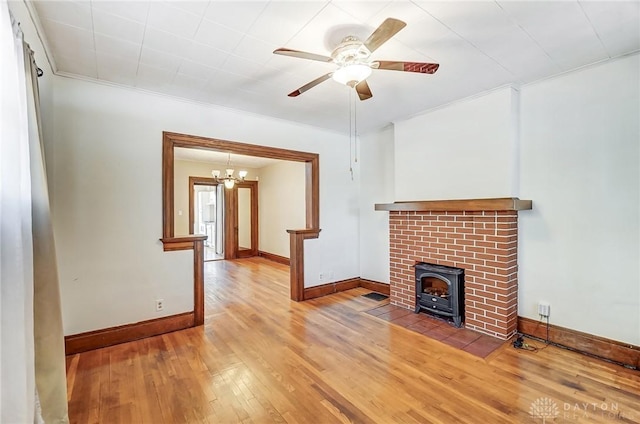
x,y
486,257
446,252
495,316
498,330
446,218
436,256
507,271
484,219
463,242
500,291
477,311
485,269
473,298
464,217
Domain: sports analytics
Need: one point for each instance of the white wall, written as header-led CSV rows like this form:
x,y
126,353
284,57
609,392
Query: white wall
x,y
376,186
339,220
281,199
460,151
579,246
107,146
183,169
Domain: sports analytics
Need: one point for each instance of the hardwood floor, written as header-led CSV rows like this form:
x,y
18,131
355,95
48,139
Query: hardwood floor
x,y
262,358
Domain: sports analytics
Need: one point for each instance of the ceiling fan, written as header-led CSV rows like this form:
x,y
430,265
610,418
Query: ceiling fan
x,y
354,63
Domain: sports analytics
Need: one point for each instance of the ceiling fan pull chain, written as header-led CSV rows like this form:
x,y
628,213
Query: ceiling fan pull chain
x,y
355,130
350,135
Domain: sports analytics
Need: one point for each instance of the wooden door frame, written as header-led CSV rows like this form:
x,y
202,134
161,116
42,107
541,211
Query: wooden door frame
x,y
193,181
172,140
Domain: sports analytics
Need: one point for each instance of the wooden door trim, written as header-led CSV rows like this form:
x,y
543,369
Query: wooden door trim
x,y
172,140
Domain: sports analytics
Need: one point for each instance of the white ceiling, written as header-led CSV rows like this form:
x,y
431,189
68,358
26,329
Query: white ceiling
x,y
210,156
220,52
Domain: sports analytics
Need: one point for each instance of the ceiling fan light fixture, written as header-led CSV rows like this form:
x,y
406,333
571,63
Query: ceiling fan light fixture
x,y
352,74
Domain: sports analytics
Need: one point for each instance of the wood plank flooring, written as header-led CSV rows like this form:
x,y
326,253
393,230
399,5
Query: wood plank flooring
x,y
261,358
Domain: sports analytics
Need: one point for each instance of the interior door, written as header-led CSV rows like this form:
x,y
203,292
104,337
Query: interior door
x,y
247,219
241,220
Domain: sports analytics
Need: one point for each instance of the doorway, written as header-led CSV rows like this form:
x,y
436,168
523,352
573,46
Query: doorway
x,y
206,215
171,141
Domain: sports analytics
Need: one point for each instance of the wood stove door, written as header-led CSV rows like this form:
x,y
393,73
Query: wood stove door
x,y
434,291
434,285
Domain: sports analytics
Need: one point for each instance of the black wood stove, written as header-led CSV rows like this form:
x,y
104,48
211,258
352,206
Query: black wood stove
x,y
440,291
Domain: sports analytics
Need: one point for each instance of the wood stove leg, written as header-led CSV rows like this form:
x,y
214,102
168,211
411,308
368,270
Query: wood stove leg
x,y
457,321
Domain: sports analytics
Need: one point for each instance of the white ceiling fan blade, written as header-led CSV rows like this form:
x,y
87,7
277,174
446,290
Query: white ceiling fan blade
x,y
310,85
302,55
383,33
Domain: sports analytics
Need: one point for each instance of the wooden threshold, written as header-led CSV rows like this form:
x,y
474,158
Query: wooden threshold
x,y
622,353
83,342
471,205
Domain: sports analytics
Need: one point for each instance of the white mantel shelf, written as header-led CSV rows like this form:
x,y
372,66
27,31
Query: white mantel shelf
x,y
475,205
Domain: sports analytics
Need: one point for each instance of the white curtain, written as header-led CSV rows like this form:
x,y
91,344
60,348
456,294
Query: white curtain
x,y
32,368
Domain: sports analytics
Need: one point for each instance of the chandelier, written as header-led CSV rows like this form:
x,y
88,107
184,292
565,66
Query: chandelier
x,y
228,180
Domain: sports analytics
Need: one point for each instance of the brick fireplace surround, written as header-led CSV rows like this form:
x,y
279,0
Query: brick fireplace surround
x,y
481,237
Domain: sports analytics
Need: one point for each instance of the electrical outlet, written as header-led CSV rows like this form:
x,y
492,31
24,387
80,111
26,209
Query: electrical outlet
x,y
159,305
544,309
324,276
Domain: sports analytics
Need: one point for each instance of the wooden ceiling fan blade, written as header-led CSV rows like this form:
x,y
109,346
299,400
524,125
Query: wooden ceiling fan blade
x,y
310,85
302,55
419,67
364,92
383,33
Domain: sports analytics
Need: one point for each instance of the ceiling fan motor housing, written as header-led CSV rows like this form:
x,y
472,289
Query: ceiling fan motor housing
x,y
351,51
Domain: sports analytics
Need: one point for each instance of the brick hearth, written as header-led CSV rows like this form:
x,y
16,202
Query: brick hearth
x,y
484,244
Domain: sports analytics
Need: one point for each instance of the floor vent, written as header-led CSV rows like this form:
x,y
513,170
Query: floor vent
x,y
376,296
